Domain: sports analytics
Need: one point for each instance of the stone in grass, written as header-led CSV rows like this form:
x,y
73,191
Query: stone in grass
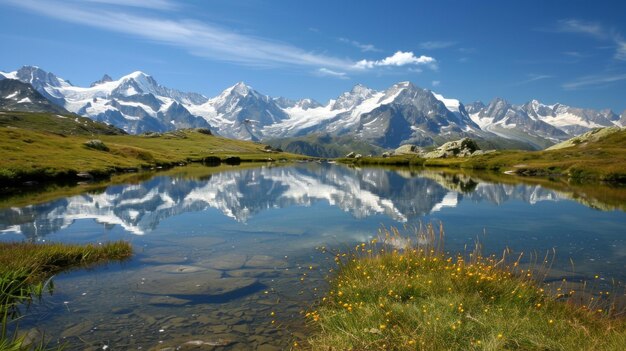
x,y
96,144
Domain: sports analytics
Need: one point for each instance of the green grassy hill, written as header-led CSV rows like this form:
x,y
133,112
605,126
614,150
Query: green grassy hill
x,y
66,124
35,147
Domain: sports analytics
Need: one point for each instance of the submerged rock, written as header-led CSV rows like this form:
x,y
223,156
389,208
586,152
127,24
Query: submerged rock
x,y
193,284
182,269
167,301
254,273
226,262
263,261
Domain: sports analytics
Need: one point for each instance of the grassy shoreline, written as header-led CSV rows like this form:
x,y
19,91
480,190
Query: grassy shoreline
x,y
25,270
38,156
418,298
603,159
40,147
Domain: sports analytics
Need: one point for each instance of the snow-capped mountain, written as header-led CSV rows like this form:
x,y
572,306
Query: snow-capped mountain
x,y
538,123
401,114
18,96
513,122
135,102
240,112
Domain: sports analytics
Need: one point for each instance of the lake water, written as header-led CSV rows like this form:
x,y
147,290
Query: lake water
x,y
231,259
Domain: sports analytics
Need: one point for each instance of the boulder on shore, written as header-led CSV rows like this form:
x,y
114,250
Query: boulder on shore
x,y
459,148
408,149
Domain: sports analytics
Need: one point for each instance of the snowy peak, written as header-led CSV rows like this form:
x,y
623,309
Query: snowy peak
x,y
241,89
352,98
38,77
306,104
138,83
105,79
474,107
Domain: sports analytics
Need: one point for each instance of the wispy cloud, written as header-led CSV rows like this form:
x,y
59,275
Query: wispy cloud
x,y
400,58
361,46
533,77
595,30
578,26
594,81
204,39
147,4
574,54
620,53
325,72
435,83
435,45
199,39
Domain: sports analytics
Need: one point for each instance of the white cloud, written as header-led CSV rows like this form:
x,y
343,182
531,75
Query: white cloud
x,y
592,81
434,45
325,72
400,58
361,46
436,83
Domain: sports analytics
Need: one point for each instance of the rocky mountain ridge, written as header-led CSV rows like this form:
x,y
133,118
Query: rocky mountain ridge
x,y
403,113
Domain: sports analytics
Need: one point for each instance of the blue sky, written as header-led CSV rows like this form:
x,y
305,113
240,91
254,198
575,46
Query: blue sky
x,y
572,52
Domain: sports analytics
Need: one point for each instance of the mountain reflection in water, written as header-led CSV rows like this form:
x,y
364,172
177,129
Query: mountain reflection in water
x,y
221,256
139,208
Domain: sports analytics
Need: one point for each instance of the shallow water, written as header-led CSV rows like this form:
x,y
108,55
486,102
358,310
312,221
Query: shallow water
x,y
230,260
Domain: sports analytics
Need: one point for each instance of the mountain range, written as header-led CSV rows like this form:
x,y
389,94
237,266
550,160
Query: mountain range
x,y
401,114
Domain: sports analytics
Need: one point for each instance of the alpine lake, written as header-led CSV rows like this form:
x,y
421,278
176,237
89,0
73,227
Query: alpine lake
x,y
231,258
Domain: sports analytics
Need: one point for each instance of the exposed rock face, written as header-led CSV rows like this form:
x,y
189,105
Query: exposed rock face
x,y
408,149
460,148
18,96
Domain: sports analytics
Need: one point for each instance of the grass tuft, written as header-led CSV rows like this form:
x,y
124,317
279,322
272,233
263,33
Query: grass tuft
x,y
25,272
408,295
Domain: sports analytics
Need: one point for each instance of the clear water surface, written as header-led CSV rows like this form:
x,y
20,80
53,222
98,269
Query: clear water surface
x,y
229,259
